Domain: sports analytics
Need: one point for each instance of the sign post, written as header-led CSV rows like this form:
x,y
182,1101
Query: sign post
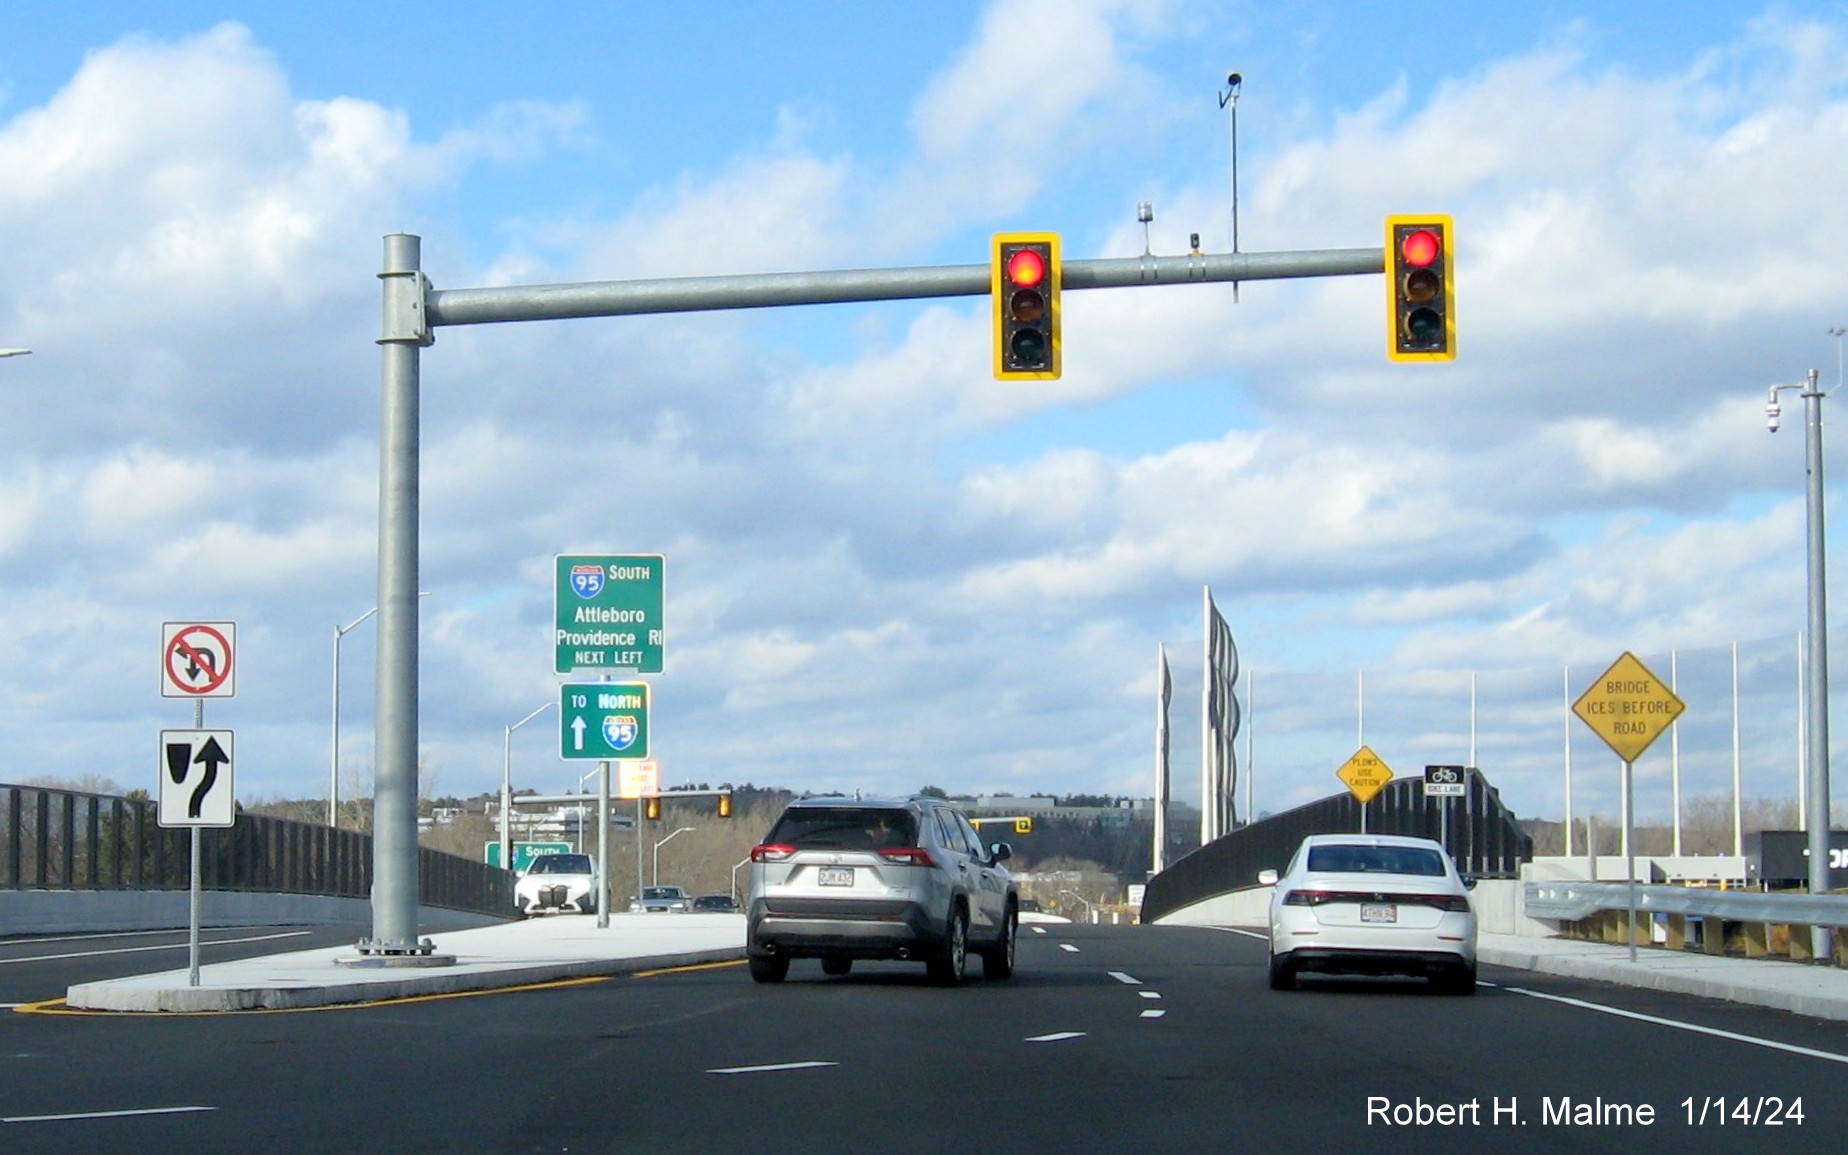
x,y
196,790
1365,776
1629,707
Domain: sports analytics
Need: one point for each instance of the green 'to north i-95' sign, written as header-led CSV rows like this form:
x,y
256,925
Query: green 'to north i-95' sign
x,y
607,612
603,720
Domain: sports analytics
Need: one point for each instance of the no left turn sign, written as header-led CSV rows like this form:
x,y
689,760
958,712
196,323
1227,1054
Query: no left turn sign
x,y
197,660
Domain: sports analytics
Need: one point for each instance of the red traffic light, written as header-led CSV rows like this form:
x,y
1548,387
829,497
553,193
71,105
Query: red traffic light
x,y
1420,248
1026,267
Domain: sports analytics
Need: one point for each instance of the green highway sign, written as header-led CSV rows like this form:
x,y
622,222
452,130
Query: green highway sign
x,y
523,852
607,612
603,720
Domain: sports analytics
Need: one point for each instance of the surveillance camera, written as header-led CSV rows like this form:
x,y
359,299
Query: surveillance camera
x,y
1772,412
1233,80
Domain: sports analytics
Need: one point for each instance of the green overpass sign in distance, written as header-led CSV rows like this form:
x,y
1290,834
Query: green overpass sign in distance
x,y
608,612
523,852
603,720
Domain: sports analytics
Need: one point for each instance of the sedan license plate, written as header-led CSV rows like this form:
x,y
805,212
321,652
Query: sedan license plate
x,y
836,876
1379,912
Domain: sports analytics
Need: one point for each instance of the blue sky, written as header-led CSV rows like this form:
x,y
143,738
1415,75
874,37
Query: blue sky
x,y
887,569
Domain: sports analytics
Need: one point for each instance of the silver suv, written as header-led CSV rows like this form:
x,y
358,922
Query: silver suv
x,y
840,879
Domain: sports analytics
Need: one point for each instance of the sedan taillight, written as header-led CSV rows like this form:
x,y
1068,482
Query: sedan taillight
x,y
771,852
1454,903
908,856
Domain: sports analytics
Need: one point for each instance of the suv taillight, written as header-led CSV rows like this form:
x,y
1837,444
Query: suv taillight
x,y
771,852
908,856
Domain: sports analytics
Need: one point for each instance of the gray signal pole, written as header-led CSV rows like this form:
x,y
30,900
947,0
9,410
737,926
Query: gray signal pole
x,y
413,310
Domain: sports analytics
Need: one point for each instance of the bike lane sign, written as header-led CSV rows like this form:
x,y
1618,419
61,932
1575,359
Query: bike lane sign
x,y
196,659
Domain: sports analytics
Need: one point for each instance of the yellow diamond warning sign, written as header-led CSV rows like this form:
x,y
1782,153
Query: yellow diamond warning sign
x,y
1364,774
1628,707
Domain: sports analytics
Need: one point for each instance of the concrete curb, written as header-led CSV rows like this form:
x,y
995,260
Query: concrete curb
x,y
176,996
1656,970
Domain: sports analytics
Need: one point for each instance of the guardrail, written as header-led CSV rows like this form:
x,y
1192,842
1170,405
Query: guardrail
x,y
1756,923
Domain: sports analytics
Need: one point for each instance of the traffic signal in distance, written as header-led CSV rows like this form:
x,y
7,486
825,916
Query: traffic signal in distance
x,y
1420,297
1024,280
724,806
651,809
1023,826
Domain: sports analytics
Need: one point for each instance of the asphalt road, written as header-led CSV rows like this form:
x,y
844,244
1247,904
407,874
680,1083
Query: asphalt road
x,y
1108,1039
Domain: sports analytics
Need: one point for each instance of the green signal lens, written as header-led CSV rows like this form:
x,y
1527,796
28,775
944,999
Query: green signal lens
x,y
1029,349
1424,329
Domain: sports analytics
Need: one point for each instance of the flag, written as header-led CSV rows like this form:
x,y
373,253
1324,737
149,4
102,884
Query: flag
x,y
1218,728
1164,693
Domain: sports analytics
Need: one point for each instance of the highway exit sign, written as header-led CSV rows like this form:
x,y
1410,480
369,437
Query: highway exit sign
x,y
607,612
602,720
1628,707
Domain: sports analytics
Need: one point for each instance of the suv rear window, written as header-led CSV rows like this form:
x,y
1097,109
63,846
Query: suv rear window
x,y
845,828
1376,860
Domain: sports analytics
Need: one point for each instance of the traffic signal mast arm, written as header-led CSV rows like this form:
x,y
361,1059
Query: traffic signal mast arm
x,y
437,307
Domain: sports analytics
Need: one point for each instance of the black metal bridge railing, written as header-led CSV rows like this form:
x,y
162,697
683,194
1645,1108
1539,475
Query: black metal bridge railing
x,y
53,839
1482,835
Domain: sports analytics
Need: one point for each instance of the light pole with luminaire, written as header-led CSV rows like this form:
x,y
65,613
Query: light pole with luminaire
x,y
1816,739
654,872
506,814
14,352
333,774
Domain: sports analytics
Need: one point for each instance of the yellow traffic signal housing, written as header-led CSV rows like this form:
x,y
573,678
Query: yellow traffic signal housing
x,y
651,809
1421,318
1023,826
1025,277
725,806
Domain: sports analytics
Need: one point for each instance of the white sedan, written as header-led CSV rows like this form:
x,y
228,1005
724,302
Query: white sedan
x,y
1372,904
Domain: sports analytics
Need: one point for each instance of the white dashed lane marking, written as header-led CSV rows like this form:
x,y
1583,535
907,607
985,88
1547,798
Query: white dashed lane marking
x,y
770,1067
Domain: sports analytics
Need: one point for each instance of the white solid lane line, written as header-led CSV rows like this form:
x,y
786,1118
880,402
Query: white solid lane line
x,y
770,1067
1680,1026
101,1114
1055,1037
141,949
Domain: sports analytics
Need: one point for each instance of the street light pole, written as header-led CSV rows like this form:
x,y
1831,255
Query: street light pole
x,y
333,773
506,814
654,872
1816,737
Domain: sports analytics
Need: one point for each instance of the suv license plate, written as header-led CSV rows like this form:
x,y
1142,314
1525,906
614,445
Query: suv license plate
x,y
836,876
1379,912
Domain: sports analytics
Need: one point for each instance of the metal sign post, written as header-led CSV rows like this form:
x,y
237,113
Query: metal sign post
x,y
1629,707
